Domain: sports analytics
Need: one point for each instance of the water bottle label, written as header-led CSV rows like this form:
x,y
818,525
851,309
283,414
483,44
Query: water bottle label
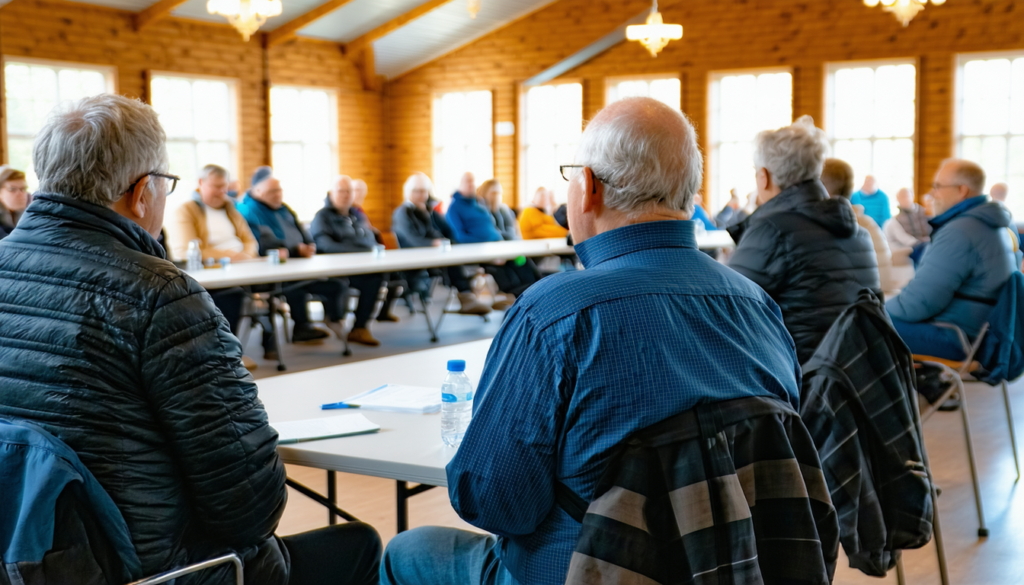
x,y
445,397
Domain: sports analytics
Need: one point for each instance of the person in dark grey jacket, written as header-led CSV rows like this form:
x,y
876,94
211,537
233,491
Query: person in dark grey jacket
x,y
124,358
336,229
802,248
417,224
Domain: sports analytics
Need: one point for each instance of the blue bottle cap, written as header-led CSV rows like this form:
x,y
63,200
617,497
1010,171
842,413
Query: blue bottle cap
x,y
456,365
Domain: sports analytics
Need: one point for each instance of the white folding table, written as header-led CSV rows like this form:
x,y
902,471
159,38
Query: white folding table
x,y
408,447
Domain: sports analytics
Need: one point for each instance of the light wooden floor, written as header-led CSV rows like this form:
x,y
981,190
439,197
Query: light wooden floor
x,y
997,560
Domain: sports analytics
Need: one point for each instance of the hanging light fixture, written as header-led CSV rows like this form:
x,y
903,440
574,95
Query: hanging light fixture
x,y
473,6
903,10
654,35
245,15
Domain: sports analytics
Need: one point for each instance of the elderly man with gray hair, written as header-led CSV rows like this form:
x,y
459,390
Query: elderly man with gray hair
x,y
803,248
126,359
585,359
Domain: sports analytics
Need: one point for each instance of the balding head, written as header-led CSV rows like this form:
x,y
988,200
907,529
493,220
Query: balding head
x,y
359,190
957,180
467,185
905,197
999,191
341,195
645,154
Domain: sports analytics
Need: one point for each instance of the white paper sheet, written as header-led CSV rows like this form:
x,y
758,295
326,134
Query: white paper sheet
x,y
295,431
399,398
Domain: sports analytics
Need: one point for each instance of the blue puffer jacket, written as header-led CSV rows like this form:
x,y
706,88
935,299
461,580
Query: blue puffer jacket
x,y
117,353
471,222
970,258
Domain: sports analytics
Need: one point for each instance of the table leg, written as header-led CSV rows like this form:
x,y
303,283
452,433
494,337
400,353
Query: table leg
x,y
403,492
332,495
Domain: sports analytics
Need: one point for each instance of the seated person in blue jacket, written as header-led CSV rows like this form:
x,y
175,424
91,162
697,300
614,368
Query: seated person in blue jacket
x,y
584,359
472,223
276,227
126,360
337,229
972,253
417,224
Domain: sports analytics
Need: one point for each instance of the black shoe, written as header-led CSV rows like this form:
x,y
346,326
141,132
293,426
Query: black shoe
x,y
387,318
951,405
308,333
271,355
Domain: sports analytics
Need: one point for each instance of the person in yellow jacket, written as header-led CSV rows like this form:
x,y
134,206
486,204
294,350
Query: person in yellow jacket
x,y
536,222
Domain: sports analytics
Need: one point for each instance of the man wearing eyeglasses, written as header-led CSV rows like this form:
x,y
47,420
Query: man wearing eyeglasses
x,y
959,278
123,357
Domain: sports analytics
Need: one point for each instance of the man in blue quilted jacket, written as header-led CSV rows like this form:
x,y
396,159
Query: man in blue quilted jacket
x,y
972,253
124,358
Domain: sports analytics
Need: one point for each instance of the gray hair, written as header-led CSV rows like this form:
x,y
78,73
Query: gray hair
x,y
410,184
213,171
792,154
646,156
95,148
968,174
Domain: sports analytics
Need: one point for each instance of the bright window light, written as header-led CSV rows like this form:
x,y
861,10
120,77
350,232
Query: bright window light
x,y
990,128
32,90
462,135
667,90
740,106
554,123
304,136
871,122
199,116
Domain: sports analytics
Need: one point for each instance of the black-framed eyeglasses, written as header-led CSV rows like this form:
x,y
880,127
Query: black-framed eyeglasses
x,y
172,178
937,186
566,171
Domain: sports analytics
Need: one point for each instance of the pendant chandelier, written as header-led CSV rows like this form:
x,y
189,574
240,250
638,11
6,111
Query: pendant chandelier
x,y
903,10
473,6
655,34
245,15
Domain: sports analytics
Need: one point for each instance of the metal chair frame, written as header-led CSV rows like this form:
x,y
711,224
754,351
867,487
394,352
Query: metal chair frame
x,y
195,568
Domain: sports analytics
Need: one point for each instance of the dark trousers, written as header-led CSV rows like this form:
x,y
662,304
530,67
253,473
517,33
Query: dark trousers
x,y
344,554
331,291
513,278
417,279
230,301
368,286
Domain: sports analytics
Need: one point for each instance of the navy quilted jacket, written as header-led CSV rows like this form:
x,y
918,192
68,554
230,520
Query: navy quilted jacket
x,y
124,358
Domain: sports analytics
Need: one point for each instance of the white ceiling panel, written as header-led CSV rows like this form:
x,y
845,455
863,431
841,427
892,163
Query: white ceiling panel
x,y
357,18
443,30
196,9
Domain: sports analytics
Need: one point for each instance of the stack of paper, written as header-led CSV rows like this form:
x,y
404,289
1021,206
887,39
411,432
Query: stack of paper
x,y
399,398
323,428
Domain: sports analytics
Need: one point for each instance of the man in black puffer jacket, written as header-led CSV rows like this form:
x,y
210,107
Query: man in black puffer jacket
x,y
126,359
802,248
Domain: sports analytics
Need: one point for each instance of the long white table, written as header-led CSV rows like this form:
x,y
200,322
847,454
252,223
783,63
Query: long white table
x,y
336,265
408,447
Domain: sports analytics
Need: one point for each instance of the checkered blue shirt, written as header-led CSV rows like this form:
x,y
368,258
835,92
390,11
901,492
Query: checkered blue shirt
x,y
651,328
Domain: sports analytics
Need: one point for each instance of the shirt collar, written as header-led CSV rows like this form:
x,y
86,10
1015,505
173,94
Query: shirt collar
x,y
635,238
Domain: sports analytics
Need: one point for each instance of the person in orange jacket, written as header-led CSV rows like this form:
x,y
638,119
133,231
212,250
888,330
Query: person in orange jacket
x,y
536,222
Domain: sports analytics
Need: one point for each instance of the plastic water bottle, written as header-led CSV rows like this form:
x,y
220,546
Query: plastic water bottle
x,y
194,258
456,403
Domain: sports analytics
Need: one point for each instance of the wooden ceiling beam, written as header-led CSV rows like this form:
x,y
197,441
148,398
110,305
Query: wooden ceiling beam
x,y
155,13
287,31
357,45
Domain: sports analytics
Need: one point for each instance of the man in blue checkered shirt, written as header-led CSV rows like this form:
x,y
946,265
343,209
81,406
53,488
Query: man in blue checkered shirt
x,y
650,329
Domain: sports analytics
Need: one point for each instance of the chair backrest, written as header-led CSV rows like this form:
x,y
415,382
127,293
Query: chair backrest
x,y
55,518
702,492
1002,350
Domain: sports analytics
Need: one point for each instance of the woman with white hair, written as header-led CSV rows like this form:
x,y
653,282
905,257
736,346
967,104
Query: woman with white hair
x,y
802,248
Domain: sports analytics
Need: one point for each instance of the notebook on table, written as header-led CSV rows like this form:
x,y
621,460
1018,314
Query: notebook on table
x,y
313,429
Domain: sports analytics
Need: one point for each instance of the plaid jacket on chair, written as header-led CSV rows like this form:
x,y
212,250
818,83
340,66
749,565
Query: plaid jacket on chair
x,y
725,493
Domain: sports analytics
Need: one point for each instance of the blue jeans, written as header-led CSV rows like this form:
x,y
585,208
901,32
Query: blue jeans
x,y
930,339
443,556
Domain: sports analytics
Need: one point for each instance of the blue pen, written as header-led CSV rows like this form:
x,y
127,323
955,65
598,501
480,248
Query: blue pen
x,y
341,405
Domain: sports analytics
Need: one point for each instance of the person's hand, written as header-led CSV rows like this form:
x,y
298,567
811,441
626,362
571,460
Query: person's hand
x,y
734,201
499,262
307,250
283,253
435,243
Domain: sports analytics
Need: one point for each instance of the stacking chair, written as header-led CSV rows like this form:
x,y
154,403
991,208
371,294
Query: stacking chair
x,y
963,371
195,568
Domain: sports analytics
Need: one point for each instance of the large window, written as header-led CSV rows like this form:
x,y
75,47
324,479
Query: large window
x,y
667,90
871,122
200,117
304,132
463,134
32,90
741,105
990,125
553,122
